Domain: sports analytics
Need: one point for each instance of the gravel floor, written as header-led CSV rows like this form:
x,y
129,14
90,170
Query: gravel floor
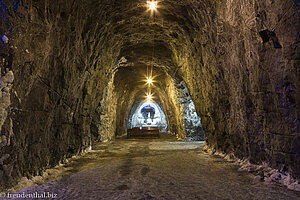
x,y
156,169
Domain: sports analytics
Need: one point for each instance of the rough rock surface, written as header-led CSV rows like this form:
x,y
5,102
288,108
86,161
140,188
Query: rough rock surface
x,y
246,91
76,62
192,122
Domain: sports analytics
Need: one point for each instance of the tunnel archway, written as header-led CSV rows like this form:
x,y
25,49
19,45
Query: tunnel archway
x,y
148,114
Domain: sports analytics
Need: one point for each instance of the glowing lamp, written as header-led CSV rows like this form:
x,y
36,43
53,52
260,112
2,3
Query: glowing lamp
x,y
152,5
149,80
149,96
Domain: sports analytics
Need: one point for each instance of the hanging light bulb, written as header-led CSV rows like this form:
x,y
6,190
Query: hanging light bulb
x,y
149,96
152,5
149,80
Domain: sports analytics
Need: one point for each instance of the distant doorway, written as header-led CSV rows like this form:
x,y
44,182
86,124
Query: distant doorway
x,y
148,114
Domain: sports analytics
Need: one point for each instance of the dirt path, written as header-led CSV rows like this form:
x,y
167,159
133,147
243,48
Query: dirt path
x,y
156,169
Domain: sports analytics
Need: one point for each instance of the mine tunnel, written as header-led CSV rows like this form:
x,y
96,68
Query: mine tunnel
x,y
217,80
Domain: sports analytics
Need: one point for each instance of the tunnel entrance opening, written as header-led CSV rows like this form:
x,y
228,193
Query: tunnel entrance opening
x,y
148,114
147,119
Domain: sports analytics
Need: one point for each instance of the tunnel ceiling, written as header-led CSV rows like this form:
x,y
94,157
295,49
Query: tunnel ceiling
x,y
73,70
137,31
148,38
143,37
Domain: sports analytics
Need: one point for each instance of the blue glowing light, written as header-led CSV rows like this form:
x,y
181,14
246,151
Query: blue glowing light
x,y
148,109
4,39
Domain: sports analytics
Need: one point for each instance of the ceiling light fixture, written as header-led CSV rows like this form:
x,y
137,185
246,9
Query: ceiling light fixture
x,y
149,80
152,5
149,96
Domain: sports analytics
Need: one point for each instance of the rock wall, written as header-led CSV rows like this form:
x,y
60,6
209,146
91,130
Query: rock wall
x,y
192,122
245,84
126,95
169,96
54,103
